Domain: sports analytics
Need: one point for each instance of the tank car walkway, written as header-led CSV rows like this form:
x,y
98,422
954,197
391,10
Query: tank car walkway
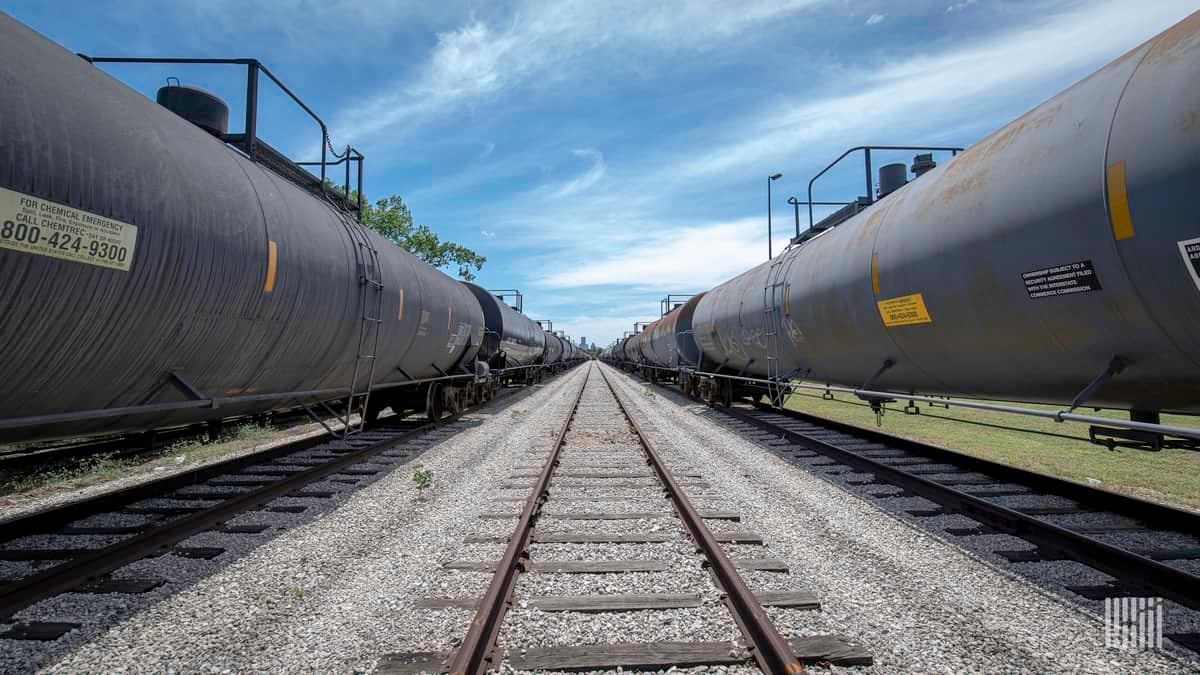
x,y
389,575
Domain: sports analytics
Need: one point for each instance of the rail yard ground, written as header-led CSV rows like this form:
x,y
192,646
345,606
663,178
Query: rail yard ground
x,y
24,490
1171,476
337,588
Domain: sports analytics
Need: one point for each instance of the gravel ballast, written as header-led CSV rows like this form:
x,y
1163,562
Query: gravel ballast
x,y
334,589
330,590
915,601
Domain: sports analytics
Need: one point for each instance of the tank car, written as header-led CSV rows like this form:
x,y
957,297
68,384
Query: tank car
x,y
513,343
1061,251
668,344
555,354
157,272
621,352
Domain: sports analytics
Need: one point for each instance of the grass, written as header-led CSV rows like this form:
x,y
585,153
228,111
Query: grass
x,y
102,468
1060,449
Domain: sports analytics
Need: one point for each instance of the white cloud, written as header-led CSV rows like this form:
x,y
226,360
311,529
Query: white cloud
x,y
687,257
927,91
629,238
584,180
487,150
487,234
543,43
906,100
959,6
875,18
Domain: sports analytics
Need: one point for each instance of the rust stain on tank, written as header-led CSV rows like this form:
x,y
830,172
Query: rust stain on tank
x,y
865,235
970,171
1176,42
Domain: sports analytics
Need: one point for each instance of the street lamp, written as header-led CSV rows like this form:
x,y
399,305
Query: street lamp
x,y
796,206
770,179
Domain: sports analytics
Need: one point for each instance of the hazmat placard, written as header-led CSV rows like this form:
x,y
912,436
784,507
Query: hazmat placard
x,y
904,310
42,227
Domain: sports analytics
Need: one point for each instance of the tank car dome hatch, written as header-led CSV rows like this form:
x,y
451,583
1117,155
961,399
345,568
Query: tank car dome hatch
x,y
892,177
197,106
922,164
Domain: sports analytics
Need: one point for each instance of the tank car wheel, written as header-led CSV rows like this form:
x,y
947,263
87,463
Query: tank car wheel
x,y
434,408
454,400
727,393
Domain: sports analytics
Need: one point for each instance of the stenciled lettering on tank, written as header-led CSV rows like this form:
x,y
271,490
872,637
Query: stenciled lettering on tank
x,y
793,331
755,336
732,346
459,337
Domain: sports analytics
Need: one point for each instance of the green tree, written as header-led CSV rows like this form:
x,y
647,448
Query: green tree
x,y
391,218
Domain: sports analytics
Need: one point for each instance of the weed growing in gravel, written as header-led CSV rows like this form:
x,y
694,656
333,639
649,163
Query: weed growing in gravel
x,y
104,467
298,592
649,394
235,439
423,478
518,414
86,471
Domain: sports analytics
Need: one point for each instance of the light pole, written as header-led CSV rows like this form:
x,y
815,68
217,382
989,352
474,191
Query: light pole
x,y
796,206
770,179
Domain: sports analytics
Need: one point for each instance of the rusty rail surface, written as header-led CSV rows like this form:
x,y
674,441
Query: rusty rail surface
x,y
771,651
475,655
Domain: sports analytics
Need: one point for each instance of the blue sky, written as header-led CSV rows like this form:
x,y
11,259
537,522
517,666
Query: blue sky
x,y
603,153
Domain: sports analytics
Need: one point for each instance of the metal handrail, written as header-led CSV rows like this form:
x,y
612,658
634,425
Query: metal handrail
x,y
506,292
253,66
664,305
867,160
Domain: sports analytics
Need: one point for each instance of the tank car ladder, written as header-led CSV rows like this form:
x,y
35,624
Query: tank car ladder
x,y
771,322
370,303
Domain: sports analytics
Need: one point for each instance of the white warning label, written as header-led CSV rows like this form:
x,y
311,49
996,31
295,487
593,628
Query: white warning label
x,y
41,227
1190,249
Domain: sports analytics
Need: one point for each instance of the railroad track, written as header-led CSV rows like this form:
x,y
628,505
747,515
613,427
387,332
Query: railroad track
x,y
62,453
1135,548
602,487
75,547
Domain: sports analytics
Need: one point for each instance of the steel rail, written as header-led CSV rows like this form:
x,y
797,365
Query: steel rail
x,y
1056,415
74,510
55,516
78,571
476,652
1091,495
132,443
771,651
1128,567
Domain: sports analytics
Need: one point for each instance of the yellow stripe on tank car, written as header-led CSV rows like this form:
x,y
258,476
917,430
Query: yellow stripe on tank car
x,y
1118,202
400,314
272,254
875,273
449,313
